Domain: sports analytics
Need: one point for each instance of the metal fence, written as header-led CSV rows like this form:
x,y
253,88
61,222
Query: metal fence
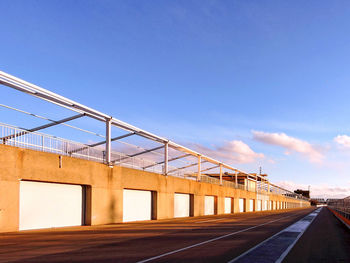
x,y
342,206
14,136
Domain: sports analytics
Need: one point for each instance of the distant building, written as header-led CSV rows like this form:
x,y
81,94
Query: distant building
x,y
321,200
329,200
304,193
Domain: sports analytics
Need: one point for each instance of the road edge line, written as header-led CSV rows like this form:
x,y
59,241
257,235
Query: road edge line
x,y
264,241
208,241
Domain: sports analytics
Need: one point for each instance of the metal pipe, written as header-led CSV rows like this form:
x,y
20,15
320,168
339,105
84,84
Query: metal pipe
x,y
166,153
108,141
220,174
199,169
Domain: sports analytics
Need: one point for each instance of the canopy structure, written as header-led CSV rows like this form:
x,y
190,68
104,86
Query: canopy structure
x,y
81,110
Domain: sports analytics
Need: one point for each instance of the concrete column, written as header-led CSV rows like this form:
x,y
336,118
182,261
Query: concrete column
x,y
199,169
236,204
220,174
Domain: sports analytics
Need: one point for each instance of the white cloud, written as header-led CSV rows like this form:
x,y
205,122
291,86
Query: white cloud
x,y
290,144
318,190
343,140
232,151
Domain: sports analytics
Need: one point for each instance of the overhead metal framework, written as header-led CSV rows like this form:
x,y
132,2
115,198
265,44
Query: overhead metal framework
x,y
109,121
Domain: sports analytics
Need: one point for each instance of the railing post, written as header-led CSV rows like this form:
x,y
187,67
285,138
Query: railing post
x,y
199,169
42,143
166,153
236,180
108,142
220,174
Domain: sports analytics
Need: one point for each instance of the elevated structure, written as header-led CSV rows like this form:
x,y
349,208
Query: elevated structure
x,y
219,192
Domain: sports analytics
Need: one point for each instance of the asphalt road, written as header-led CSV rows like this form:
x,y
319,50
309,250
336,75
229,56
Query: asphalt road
x,y
202,239
326,240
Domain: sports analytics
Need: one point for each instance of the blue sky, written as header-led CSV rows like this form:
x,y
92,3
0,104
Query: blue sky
x,y
272,76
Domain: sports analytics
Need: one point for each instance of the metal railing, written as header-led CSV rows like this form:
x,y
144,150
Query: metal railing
x,y
342,206
18,137
14,136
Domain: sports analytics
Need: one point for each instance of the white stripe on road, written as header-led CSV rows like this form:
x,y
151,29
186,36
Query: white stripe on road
x,y
210,240
255,254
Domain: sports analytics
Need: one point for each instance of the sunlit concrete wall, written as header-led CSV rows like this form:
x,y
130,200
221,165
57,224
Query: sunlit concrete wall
x,y
105,187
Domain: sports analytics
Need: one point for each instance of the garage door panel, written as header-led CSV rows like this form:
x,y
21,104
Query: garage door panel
x,y
228,205
251,205
181,205
137,205
258,205
209,205
241,205
46,205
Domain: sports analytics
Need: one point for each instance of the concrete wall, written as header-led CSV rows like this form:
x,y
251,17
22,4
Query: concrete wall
x,y
105,187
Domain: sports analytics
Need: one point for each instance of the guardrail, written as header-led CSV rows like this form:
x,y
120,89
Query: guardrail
x,y
342,206
18,137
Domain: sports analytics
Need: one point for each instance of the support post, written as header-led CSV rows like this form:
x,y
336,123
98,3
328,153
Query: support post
x,y
199,169
166,157
220,174
236,180
108,141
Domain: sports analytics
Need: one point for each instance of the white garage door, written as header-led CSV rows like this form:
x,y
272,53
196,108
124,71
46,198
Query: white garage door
x,y
45,205
241,205
228,205
209,204
137,205
258,207
251,205
181,205
265,205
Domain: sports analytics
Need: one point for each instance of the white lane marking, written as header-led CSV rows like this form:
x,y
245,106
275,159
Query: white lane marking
x,y
210,220
285,253
291,228
210,240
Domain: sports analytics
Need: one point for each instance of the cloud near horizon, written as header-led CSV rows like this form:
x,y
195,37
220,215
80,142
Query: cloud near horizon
x,y
232,151
343,140
319,190
290,144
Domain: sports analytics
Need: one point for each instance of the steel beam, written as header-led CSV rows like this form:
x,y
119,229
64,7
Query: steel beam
x,y
101,143
166,156
169,160
112,139
199,169
136,154
184,167
210,168
220,174
42,126
236,180
108,141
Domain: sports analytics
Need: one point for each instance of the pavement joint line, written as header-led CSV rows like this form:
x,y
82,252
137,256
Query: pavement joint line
x,y
290,228
210,240
199,222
